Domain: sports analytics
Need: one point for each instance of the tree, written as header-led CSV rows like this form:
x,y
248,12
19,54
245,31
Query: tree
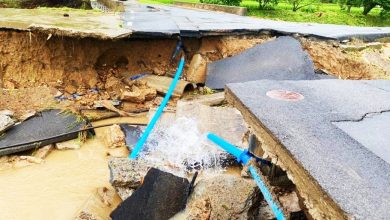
x,y
370,4
349,4
265,4
298,4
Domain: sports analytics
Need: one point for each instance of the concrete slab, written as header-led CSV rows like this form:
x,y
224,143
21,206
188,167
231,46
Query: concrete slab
x,y
280,59
46,128
140,20
339,172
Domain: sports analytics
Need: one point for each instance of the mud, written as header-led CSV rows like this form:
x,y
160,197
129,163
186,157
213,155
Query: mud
x,y
329,57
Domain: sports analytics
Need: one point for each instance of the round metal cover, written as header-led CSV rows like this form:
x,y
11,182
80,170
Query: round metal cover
x,y
285,95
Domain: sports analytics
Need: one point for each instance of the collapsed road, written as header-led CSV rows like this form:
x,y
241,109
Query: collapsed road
x,y
313,131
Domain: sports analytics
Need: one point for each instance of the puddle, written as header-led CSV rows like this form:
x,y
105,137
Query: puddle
x,y
59,187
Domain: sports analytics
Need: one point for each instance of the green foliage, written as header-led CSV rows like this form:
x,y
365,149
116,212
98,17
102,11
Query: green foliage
x,y
222,2
370,4
267,4
348,4
298,4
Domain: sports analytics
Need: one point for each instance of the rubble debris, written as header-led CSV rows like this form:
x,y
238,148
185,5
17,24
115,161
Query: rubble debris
x,y
99,205
162,83
32,159
132,134
135,107
160,197
54,126
114,137
68,145
8,162
43,151
280,59
127,173
214,99
197,70
7,113
6,122
224,196
108,105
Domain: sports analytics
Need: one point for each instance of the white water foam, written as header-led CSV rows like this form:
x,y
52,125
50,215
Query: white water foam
x,y
181,148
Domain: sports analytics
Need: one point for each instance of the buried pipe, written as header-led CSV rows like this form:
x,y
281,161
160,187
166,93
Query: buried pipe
x,y
243,156
156,116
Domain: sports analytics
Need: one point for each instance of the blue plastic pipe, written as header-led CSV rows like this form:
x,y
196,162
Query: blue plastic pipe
x,y
243,156
149,128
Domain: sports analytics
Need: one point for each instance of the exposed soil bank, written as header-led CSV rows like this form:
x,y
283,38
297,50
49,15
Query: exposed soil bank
x,y
34,59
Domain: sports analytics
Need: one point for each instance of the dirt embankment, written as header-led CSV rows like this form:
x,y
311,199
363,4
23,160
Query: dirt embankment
x,y
30,59
45,3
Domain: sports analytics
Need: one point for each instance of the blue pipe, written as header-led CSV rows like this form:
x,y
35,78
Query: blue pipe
x,y
244,157
149,128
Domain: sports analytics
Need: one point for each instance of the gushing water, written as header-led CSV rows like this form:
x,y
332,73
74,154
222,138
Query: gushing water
x,y
181,147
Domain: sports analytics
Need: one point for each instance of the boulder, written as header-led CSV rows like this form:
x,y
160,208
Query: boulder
x,y
224,196
160,197
43,151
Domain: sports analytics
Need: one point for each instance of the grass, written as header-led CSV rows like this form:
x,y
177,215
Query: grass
x,y
316,13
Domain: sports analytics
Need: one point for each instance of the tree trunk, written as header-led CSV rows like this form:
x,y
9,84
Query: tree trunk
x,y
368,7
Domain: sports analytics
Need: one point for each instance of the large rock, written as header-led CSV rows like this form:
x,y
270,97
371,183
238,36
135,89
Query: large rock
x,y
160,197
224,196
127,173
114,137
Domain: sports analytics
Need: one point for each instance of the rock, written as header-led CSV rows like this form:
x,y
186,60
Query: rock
x,y
43,151
160,197
158,71
149,93
114,137
265,212
136,96
134,107
197,70
114,86
68,145
224,196
9,85
6,122
70,89
132,133
124,192
127,173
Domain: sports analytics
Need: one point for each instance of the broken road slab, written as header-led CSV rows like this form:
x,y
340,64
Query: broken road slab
x,y
46,128
280,59
338,175
161,196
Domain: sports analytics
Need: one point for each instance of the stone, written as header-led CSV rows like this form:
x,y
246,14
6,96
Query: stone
x,y
134,96
27,115
6,122
197,70
68,145
160,197
149,93
31,159
114,86
127,173
43,151
114,137
124,192
224,196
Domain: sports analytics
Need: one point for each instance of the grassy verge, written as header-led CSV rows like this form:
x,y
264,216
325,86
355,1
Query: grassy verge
x,y
316,13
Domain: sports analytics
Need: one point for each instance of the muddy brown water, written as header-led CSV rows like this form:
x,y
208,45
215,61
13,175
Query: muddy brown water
x,y
60,186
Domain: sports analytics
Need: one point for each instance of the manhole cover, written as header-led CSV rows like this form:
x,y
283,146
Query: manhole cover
x,y
285,95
